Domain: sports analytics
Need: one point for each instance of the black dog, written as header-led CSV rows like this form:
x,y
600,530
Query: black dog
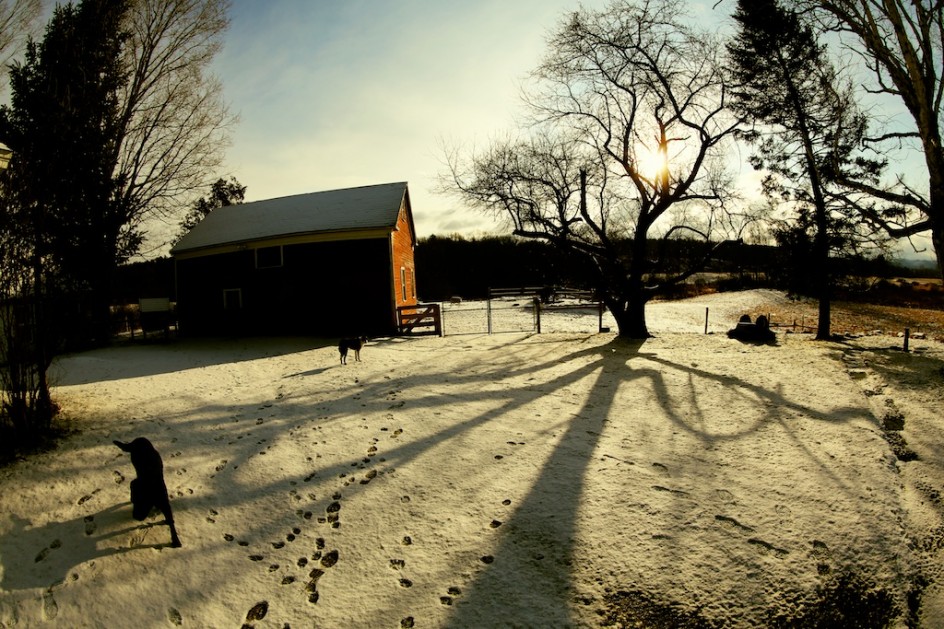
x,y
148,489
356,344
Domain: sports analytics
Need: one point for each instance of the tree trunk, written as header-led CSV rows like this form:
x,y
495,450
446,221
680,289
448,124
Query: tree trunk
x,y
937,241
821,259
630,318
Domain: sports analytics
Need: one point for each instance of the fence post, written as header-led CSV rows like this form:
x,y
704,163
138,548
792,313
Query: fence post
x,y
706,320
907,334
537,313
488,310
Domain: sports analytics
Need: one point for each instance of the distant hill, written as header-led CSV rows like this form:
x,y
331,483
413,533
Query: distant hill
x,y
924,265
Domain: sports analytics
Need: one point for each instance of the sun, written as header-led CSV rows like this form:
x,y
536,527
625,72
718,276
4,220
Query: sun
x,y
651,162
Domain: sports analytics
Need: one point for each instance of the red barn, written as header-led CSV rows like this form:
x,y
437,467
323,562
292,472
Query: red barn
x,y
329,263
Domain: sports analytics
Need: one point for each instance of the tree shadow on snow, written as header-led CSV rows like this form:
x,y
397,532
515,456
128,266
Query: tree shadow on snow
x,y
45,556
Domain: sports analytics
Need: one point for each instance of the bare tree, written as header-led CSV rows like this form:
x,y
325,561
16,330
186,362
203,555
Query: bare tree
x,y
902,44
175,122
626,143
18,21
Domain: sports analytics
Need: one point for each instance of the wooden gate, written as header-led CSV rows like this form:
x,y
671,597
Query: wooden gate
x,y
422,316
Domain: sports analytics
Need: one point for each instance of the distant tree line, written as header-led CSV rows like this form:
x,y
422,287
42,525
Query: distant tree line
x,y
455,266
466,267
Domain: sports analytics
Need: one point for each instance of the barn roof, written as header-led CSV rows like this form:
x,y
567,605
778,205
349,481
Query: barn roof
x,y
351,209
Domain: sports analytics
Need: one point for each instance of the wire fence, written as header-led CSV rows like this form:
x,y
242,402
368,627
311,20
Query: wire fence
x,y
492,316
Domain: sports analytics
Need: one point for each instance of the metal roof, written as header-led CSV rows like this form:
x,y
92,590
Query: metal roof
x,y
349,209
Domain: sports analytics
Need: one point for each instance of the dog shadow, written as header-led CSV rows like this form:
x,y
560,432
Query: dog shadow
x,y
44,556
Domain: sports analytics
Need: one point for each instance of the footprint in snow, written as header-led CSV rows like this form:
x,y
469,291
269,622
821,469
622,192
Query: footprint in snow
x,y
767,546
729,521
87,497
50,607
312,586
329,559
677,492
174,617
258,611
822,555
45,552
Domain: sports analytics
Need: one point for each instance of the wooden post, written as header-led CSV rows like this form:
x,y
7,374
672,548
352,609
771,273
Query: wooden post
x,y
537,313
907,335
706,320
488,310
600,309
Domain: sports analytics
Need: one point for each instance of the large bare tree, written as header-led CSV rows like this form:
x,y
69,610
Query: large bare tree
x,y
175,123
902,44
626,143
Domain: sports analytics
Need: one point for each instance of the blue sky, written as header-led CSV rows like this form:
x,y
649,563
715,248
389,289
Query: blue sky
x,y
339,94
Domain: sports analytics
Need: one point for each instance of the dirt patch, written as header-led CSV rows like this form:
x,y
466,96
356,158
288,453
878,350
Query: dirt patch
x,y
846,600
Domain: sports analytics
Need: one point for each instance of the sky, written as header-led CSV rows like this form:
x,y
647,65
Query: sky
x,y
340,94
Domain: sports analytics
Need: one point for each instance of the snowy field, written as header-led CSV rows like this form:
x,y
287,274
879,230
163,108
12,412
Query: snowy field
x,y
552,480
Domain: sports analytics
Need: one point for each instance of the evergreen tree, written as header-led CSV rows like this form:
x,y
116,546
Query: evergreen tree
x,y
222,193
805,122
61,124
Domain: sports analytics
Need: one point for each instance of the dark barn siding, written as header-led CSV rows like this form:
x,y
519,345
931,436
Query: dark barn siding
x,y
322,289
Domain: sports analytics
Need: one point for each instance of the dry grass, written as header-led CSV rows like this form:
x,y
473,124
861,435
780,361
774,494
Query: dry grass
x,y
857,317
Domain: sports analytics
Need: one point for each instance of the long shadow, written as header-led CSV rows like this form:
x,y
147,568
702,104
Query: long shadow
x,y
138,361
538,541
774,400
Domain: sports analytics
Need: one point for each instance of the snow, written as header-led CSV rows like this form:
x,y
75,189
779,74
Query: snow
x,y
483,480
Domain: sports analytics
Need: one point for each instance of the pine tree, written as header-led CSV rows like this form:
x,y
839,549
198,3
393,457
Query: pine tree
x,y
804,120
222,193
61,125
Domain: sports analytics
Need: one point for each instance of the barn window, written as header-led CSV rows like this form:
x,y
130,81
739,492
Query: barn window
x,y
413,283
403,282
232,298
269,257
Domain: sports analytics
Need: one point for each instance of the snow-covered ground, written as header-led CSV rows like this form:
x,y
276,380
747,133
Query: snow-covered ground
x,y
561,479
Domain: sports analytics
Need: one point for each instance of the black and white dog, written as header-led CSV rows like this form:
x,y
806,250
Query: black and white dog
x,y
351,344
148,489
